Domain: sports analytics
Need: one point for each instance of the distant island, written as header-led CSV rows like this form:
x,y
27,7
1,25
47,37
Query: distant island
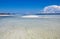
x,y
43,14
7,14
31,14
48,14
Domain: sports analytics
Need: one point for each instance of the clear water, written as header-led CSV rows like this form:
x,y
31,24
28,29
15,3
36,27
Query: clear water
x,y
29,28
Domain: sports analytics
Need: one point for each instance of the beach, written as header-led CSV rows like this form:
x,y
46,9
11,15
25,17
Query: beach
x,y
29,28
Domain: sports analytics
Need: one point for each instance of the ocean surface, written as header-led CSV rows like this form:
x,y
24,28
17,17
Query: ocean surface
x,y
46,27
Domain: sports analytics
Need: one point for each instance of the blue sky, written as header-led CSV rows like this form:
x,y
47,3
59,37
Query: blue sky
x,y
21,6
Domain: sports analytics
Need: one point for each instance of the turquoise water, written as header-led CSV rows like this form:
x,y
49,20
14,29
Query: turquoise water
x,y
29,28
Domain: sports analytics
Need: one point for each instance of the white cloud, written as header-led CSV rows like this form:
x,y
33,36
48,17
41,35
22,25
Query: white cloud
x,y
52,9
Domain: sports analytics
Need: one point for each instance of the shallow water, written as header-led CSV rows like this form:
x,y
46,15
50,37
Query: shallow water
x,y
29,28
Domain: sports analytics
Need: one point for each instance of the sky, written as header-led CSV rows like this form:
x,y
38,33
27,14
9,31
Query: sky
x,y
25,6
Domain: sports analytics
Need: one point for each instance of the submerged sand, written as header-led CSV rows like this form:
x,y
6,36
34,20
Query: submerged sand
x,y
30,29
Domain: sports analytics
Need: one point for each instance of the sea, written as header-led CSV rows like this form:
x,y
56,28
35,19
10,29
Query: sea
x,y
15,27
